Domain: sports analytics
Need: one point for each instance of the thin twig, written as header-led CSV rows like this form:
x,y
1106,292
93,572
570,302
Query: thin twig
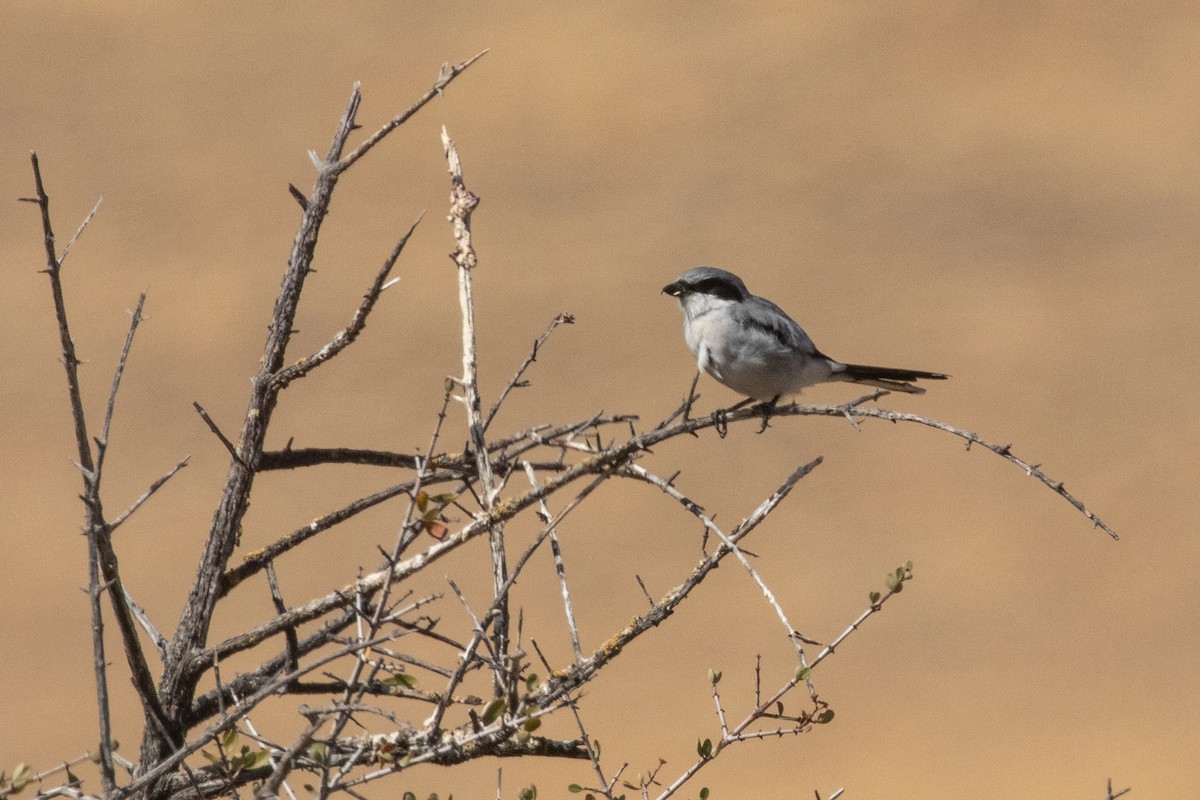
x,y
212,426
79,231
135,317
146,495
289,635
1004,451
1114,796
515,380
447,74
282,765
160,641
346,336
559,568
312,456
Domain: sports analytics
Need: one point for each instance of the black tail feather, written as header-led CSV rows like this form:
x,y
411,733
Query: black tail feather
x,y
889,377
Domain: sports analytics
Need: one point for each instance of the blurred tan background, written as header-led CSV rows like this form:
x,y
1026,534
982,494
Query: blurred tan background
x,y
1007,192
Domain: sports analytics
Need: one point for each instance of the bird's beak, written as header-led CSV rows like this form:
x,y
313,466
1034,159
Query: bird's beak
x,y
673,289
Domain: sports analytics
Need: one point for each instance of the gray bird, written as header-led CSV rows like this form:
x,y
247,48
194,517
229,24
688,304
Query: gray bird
x,y
753,347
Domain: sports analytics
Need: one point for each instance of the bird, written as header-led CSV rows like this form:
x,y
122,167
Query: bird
x,y
752,346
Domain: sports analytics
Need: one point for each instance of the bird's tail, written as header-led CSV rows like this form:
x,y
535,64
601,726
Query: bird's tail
x,y
896,380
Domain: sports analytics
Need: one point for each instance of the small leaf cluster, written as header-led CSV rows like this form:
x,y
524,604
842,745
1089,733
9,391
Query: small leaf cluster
x,y
431,508
244,758
895,580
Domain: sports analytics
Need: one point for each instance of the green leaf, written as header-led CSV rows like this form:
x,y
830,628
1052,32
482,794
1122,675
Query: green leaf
x,y
574,788
704,793
714,677
493,711
529,793
261,759
704,748
825,716
22,774
229,739
404,679
779,708
802,673
409,796
596,748
422,501
532,725
531,681
211,758
318,753
450,497
874,597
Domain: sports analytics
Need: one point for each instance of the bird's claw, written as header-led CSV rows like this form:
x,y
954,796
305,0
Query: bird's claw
x,y
720,419
766,408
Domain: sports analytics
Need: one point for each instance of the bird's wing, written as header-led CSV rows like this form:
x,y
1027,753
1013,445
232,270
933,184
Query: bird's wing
x,y
770,319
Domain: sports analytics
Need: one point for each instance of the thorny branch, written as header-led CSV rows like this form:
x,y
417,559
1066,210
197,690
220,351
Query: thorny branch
x,y
367,623
102,558
462,204
179,674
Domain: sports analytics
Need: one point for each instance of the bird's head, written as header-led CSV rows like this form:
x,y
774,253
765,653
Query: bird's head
x,y
702,287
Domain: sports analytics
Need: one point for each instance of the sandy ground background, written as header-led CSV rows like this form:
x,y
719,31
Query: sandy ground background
x,y
1007,192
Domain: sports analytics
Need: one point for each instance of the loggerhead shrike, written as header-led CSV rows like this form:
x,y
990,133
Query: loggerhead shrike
x,y
753,347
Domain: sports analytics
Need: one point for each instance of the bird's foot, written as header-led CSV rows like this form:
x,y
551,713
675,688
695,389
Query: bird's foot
x,y
720,419
766,409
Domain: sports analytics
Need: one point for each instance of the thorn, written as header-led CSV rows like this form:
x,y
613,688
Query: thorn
x,y
298,196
